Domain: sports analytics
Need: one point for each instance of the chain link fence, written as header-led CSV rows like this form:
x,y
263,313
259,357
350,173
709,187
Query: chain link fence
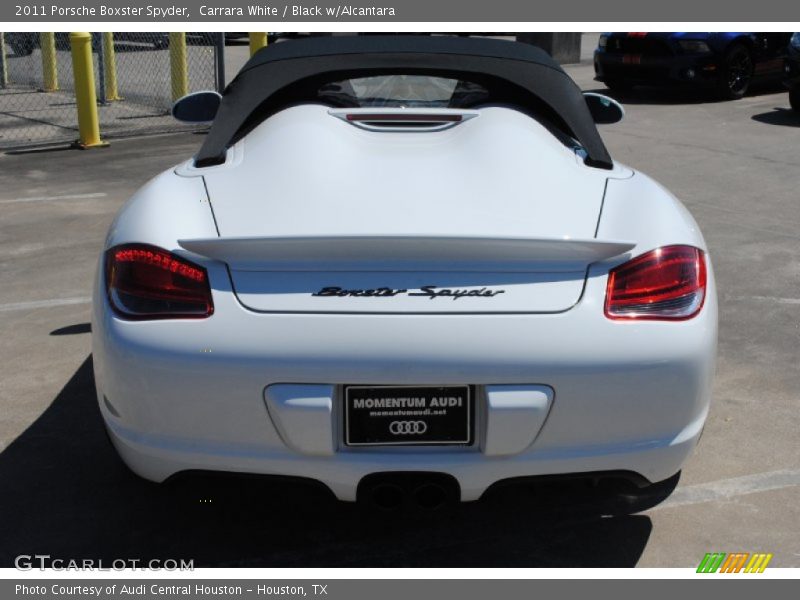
x,y
137,76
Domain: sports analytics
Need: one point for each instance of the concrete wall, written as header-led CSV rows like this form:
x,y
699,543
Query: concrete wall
x,y
564,47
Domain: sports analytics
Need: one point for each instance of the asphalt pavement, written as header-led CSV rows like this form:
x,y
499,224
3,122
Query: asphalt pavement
x,y
64,492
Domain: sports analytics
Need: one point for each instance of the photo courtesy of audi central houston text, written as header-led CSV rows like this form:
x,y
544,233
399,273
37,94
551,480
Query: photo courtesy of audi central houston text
x,y
406,268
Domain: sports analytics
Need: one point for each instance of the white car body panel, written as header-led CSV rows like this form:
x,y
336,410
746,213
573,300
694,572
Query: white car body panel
x,y
257,387
497,175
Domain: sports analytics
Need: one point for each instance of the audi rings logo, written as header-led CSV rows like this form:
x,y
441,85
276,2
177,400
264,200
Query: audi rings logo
x,y
408,427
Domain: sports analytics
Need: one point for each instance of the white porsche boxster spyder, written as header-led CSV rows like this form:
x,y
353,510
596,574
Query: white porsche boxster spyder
x,y
404,261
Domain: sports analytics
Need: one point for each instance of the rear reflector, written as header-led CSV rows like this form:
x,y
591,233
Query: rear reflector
x,y
667,283
146,282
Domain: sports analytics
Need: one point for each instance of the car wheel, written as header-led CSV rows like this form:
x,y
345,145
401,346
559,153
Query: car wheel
x,y
737,72
794,99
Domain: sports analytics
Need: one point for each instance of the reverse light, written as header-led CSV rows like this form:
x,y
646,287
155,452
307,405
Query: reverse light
x,y
667,283
603,41
146,282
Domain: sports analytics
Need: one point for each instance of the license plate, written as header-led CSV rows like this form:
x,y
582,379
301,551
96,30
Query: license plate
x,y
632,59
408,415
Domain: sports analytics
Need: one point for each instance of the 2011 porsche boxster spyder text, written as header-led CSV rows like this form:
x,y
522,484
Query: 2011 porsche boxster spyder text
x,y
404,255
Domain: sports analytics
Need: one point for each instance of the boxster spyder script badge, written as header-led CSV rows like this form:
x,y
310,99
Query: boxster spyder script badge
x,y
426,291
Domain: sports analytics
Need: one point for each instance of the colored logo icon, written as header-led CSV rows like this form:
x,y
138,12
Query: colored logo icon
x,y
736,562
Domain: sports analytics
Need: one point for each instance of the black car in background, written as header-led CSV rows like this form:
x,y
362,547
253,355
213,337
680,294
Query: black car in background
x,y
793,71
725,62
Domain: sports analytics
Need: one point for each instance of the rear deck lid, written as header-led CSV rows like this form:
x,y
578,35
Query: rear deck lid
x,y
485,213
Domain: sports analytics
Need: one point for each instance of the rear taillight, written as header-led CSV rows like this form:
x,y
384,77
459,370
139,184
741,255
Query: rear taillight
x,y
145,282
665,283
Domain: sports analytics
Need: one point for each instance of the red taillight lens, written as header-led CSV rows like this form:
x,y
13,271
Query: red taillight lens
x,y
145,282
665,283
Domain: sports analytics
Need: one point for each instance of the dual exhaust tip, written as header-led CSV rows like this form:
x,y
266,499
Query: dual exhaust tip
x,y
408,490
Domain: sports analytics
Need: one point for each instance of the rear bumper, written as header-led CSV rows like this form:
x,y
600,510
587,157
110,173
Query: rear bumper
x,y
159,459
656,70
189,395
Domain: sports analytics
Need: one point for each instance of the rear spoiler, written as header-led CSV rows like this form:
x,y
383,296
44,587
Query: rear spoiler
x,y
401,253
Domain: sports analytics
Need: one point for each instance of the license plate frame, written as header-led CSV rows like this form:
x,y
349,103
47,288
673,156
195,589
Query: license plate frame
x,y
632,59
408,415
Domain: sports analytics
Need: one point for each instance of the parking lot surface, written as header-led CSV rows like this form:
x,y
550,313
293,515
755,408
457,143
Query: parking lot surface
x,y
64,492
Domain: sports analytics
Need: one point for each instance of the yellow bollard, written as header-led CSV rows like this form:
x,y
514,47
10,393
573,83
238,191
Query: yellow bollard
x,y
85,94
3,63
258,40
110,67
47,42
177,64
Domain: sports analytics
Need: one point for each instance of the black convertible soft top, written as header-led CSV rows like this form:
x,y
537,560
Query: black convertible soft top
x,y
266,77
